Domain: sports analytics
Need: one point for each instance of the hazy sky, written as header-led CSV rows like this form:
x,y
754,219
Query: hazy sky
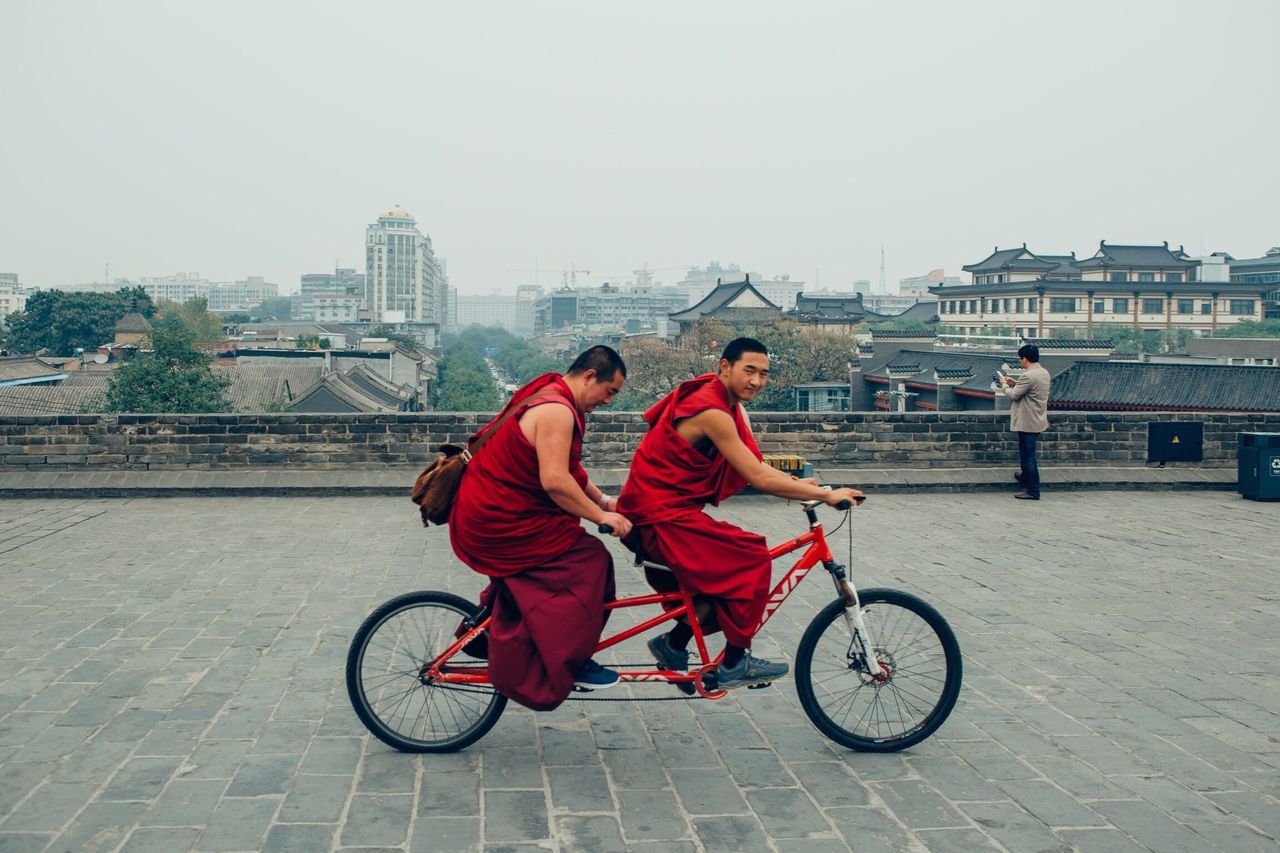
x,y
259,138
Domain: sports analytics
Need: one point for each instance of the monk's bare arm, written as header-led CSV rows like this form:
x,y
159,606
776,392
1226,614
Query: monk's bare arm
x,y
550,429
718,426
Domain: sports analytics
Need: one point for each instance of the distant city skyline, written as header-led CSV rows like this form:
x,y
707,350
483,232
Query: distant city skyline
x,y
793,140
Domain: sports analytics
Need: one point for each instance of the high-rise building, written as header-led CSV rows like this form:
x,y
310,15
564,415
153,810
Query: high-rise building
x,y
337,296
12,297
241,295
625,308
404,281
700,281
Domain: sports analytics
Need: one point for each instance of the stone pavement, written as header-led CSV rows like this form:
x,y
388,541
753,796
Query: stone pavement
x,y
396,482
171,678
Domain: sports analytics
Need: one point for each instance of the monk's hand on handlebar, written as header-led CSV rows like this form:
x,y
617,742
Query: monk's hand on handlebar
x,y
614,525
844,499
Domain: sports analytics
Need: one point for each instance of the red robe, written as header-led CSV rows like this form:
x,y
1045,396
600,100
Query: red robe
x,y
550,577
669,485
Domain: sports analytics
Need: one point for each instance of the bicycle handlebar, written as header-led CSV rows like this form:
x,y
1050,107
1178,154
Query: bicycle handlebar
x,y
843,506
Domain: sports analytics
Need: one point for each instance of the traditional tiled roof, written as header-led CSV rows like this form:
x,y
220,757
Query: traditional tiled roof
x,y
254,388
948,364
837,309
1102,288
1166,387
356,390
133,322
1269,261
1147,257
1018,260
1070,344
28,369
926,311
723,297
901,335
79,392
263,387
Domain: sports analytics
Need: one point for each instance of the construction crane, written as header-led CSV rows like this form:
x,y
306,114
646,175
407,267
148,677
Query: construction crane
x,y
568,277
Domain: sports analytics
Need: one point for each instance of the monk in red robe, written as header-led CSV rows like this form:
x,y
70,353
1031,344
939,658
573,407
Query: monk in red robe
x,y
516,518
699,450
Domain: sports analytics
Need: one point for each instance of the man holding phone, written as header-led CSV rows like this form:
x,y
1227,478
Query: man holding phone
x,y
1028,416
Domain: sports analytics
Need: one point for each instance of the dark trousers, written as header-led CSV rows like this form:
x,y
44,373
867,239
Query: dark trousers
x,y
1027,460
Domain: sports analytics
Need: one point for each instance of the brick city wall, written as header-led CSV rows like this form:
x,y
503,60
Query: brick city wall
x,y
872,440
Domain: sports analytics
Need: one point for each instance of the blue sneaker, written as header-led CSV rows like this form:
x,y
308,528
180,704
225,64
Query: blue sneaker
x,y
593,676
750,671
669,657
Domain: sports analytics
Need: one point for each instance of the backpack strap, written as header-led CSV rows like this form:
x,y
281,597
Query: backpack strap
x,y
484,436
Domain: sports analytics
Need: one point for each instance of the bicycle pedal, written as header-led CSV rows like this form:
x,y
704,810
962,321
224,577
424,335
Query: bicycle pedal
x,y
760,686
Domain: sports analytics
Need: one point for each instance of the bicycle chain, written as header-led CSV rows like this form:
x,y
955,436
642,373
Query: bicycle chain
x,y
574,697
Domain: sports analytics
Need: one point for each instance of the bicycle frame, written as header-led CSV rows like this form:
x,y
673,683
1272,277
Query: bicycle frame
x,y
682,605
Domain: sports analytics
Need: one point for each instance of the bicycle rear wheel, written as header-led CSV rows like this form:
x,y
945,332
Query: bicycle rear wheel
x,y
911,641
387,691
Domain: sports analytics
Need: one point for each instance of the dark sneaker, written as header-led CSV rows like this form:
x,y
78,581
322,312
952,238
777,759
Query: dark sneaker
x,y
748,671
669,657
593,676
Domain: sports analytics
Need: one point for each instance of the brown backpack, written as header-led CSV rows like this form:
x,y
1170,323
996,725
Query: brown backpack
x,y
436,486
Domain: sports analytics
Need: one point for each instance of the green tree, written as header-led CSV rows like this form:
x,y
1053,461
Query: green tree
x,y
392,335
312,342
276,308
57,322
206,327
173,377
465,383
1250,329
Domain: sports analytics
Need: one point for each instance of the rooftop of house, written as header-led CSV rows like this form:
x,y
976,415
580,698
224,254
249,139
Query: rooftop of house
x,y
1120,386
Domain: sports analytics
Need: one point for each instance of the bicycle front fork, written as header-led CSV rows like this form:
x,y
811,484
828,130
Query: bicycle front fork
x,y
854,622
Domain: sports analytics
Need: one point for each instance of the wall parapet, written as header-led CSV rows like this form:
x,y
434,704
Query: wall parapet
x,y
300,441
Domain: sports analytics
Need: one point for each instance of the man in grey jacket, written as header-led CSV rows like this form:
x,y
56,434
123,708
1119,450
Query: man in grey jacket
x,y
1028,416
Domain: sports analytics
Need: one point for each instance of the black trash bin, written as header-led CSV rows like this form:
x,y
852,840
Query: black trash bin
x,y
1258,466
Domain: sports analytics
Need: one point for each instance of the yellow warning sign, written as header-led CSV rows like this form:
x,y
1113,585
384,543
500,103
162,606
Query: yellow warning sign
x,y
1176,441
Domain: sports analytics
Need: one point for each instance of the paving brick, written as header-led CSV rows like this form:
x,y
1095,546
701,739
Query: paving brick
x,y
156,671
515,816
650,815
709,791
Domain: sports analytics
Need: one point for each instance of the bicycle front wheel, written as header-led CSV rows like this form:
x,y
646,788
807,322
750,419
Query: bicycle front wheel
x,y
388,692
908,702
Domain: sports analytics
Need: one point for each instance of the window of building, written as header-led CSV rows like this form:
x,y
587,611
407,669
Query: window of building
x,y
1152,306
1062,304
1006,305
1000,278
973,306
1186,306
1019,306
1099,306
1119,306
1173,276
1117,276
1032,304
1242,307
1206,308
1146,276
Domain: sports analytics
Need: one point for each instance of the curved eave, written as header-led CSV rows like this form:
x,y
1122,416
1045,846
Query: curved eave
x,y
1126,407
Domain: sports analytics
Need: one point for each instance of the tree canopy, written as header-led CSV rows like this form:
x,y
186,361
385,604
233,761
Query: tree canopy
x,y
1250,329
205,326
173,377
59,322
465,383
276,308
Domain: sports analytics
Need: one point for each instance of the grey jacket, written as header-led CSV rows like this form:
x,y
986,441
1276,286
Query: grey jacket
x,y
1030,396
